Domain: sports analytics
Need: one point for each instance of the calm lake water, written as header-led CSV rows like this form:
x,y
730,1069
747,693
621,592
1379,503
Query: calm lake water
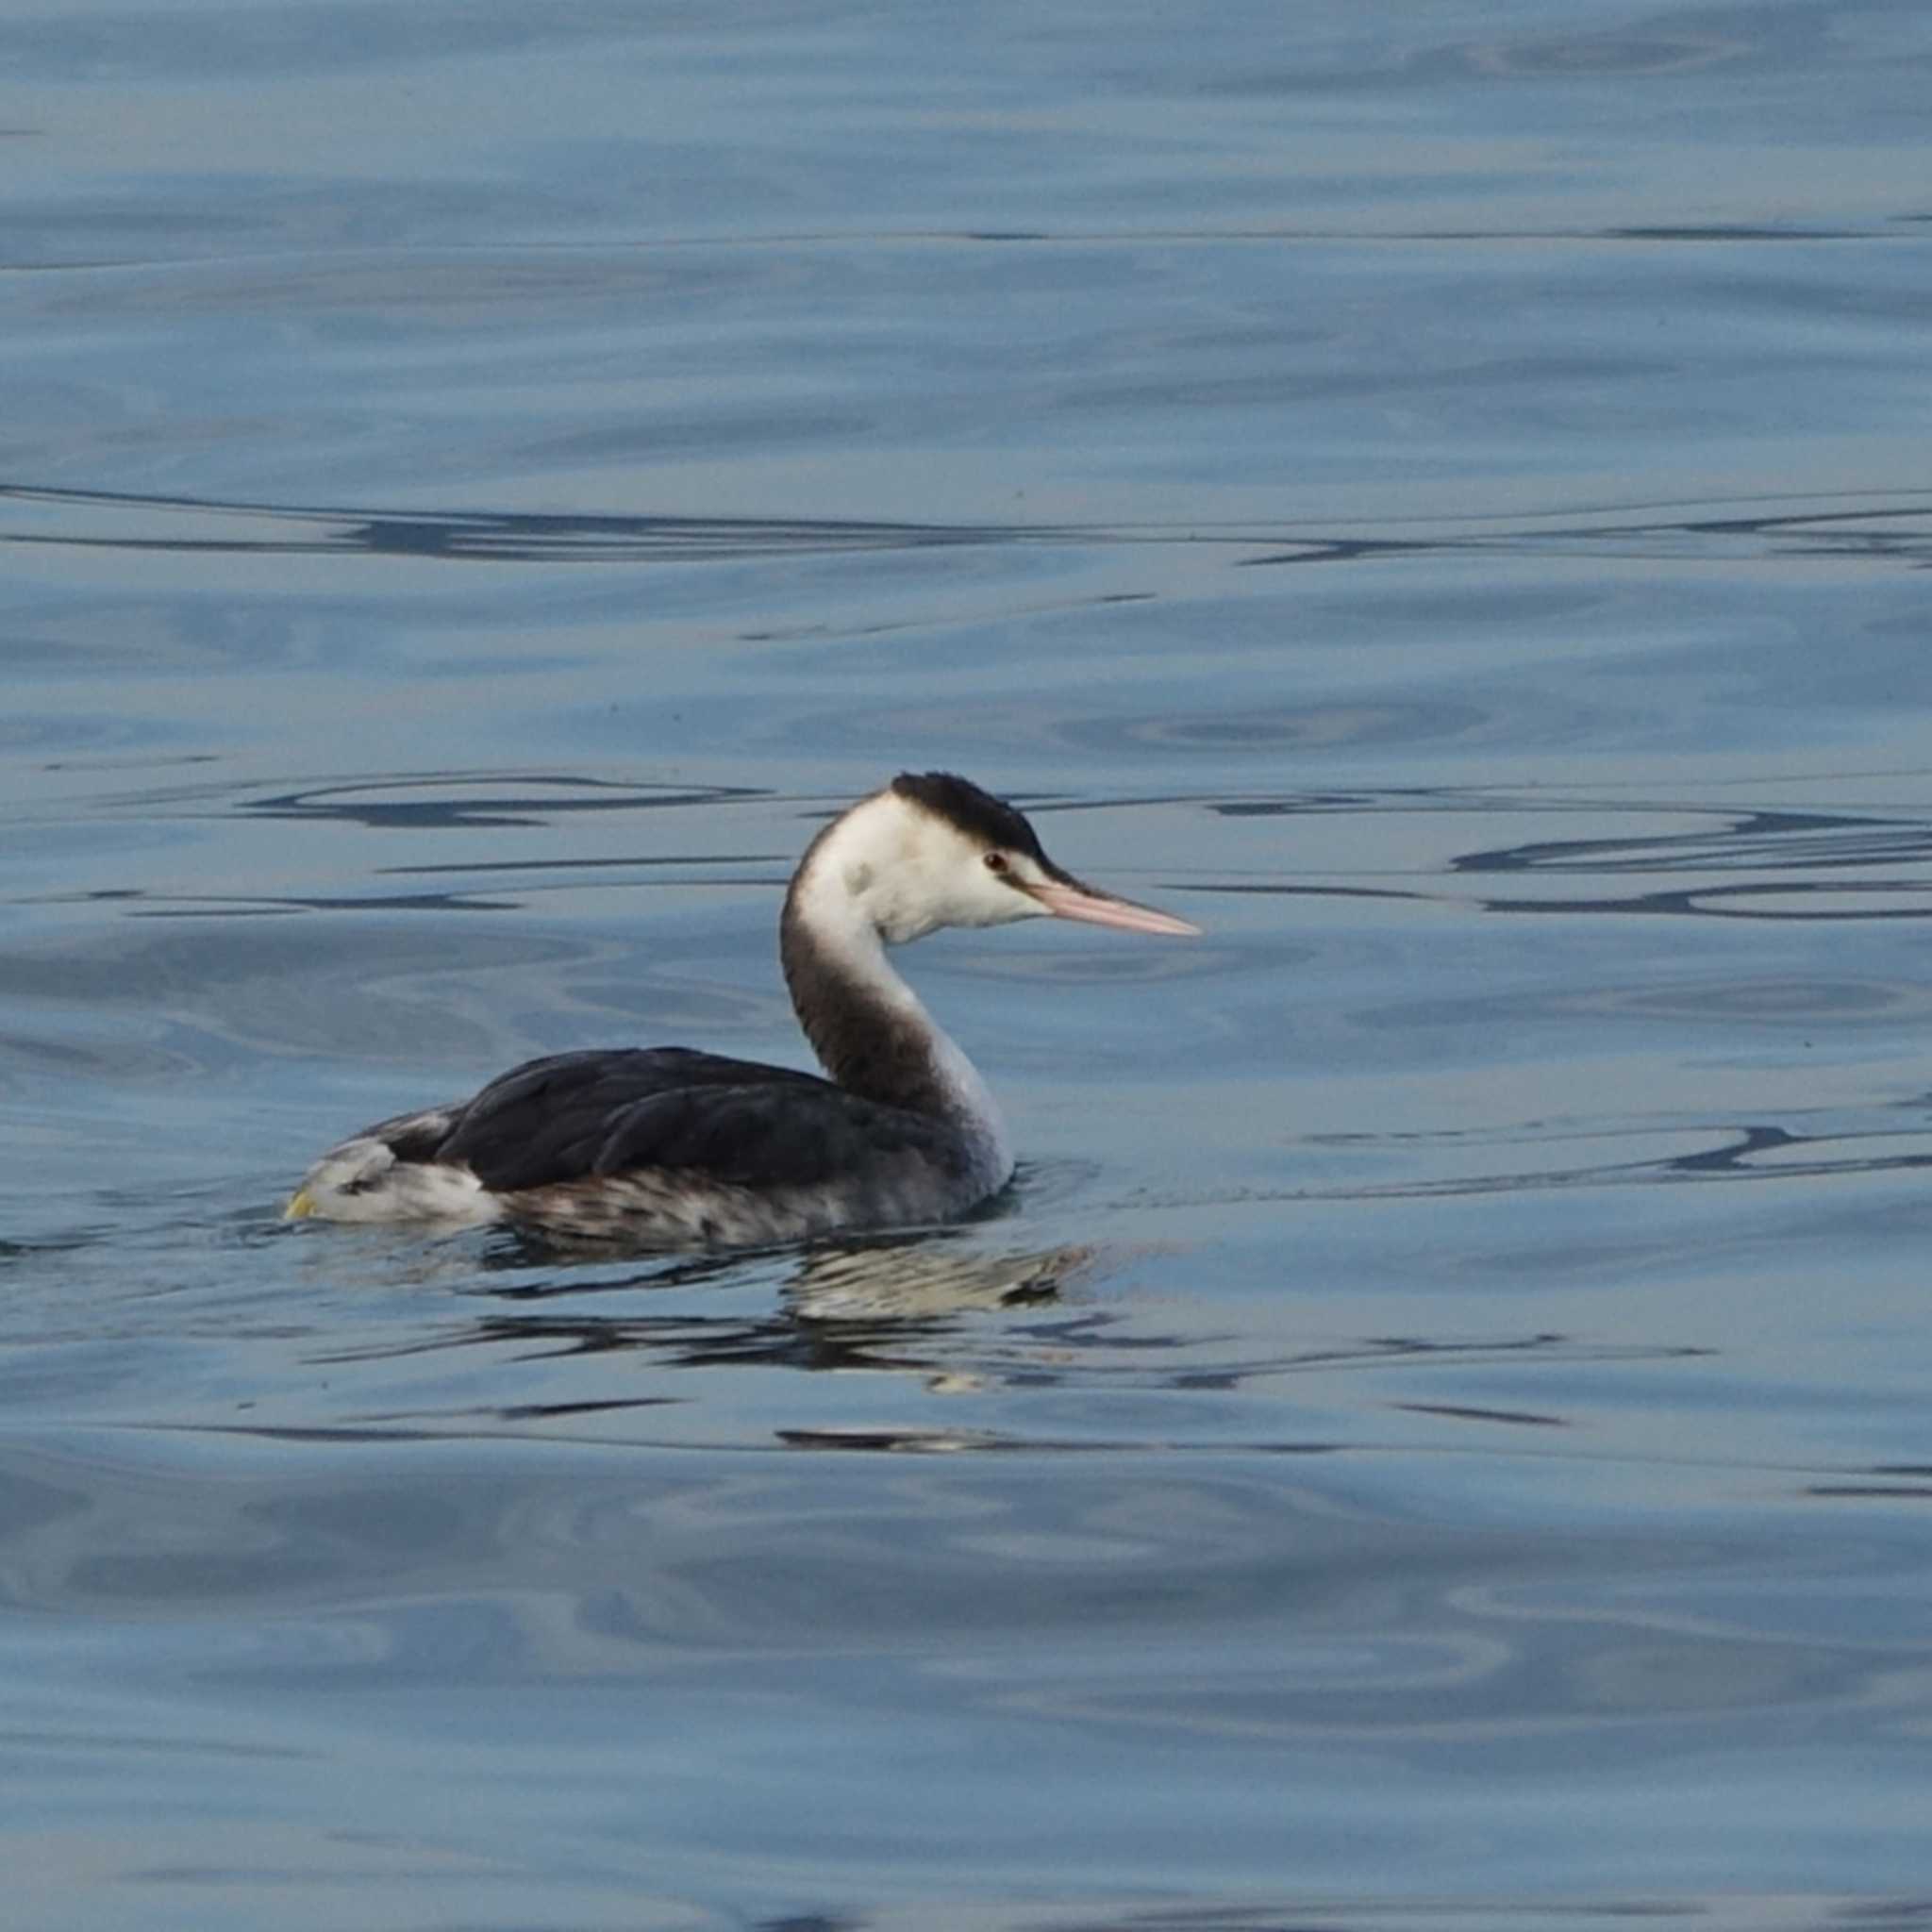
x,y
1438,1433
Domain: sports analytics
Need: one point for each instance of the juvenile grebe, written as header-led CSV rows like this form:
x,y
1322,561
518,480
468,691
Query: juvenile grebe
x,y
665,1147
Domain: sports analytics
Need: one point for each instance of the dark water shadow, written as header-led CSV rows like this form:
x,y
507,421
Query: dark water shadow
x,y
1800,855
1867,524
1740,1151
1780,843
502,801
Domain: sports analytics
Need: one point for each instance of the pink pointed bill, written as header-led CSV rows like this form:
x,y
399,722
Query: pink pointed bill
x,y
1069,901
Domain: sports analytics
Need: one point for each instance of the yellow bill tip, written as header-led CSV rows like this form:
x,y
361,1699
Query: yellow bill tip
x,y
301,1205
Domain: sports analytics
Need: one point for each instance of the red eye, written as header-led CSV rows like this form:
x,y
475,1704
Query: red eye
x,y
996,861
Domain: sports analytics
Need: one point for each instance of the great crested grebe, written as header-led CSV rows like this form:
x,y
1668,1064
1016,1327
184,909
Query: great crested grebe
x,y
665,1147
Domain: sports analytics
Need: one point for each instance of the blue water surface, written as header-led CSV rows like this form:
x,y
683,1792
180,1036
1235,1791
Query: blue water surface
x,y
1437,1434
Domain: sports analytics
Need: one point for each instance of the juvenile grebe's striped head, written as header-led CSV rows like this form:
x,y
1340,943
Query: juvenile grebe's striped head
x,y
933,850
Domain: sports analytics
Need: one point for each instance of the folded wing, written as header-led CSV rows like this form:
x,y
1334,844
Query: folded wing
x,y
582,1116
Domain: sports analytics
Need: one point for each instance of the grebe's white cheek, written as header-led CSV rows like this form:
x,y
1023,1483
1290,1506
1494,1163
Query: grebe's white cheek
x,y
1009,905
1013,894
978,896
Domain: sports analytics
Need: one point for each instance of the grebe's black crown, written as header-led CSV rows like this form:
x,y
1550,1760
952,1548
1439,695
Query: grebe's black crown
x,y
976,813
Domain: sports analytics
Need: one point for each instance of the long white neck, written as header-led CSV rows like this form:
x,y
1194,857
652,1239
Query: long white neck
x,y
868,1027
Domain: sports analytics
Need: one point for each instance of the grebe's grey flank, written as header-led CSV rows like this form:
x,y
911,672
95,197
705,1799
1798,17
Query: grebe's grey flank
x,y
666,1147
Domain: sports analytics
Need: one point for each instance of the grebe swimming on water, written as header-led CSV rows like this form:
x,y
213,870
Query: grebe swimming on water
x,y
665,1147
